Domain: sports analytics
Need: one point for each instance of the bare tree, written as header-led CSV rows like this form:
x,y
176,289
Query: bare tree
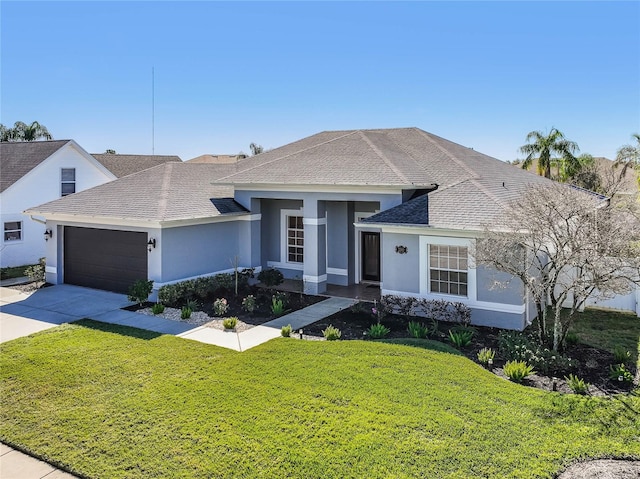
x,y
565,245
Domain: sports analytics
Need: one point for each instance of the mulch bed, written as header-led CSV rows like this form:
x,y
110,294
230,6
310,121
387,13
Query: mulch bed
x,y
591,364
262,314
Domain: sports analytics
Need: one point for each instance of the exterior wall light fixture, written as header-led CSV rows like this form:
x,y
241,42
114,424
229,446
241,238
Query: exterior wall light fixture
x,y
151,244
48,234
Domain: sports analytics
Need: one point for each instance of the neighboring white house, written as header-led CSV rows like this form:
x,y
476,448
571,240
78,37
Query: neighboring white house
x,y
37,172
33,173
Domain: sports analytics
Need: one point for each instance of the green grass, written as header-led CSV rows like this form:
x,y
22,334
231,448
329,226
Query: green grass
x,y
607,329
115,402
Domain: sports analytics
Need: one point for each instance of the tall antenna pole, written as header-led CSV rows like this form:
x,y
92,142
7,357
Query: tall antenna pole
x,y
153,111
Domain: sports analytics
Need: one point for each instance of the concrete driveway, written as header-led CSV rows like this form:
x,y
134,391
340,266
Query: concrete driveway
x,y
24,314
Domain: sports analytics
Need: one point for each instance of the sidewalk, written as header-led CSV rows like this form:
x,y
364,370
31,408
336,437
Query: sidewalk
x,y
17,465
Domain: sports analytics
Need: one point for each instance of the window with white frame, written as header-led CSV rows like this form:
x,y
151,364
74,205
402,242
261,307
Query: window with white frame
x,y
68,181
448,269
13,231
295,239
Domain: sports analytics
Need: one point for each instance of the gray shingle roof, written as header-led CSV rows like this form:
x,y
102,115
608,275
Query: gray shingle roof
x,y
123,165
168,192
403,157
19,158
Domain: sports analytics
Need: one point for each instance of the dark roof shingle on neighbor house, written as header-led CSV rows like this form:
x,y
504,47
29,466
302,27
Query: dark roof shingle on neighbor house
x,y
171,191
124,165
19,158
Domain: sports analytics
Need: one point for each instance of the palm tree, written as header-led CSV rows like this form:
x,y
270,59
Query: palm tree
x,y
23,132
629,156
544,147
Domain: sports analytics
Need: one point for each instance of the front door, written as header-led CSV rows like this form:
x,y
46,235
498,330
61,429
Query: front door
x,y
370,256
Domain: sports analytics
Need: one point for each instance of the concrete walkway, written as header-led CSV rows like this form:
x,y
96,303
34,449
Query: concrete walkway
x,y
16,465
270,330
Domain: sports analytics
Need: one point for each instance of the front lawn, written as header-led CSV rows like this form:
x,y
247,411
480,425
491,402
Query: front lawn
x,y
606,329
113,402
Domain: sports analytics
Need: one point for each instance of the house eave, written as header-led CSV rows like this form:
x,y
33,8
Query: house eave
x,y
325,188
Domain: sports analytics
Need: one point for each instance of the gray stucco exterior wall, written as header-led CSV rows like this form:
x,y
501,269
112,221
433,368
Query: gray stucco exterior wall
x,y
194,250
498,287
401,272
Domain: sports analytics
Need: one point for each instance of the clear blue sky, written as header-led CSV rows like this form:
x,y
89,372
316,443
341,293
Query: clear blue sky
x,y
482,74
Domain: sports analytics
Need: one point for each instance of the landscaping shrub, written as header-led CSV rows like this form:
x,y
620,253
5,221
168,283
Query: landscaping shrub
x,y
249,304
270,277
358,308
277,307
517,346
35,272
331,333
621,355
140,290
418,330
517,370
230,323
620,373
220,307
485,356
192,304
286,331
204,287
402,305
460,338
577,385
157,308
185,313
225,281
378,331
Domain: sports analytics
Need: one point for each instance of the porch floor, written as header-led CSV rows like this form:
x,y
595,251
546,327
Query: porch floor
x,y
362,292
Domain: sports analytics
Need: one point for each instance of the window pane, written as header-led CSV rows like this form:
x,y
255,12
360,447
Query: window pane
x,y
68,188
448,269
68,174
12,225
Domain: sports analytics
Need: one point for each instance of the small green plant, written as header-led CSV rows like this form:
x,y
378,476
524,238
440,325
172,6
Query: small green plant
x,y
485,356
460,338
418,330
140,290
433,327
220,307
621,355
286,331
278,306
270,277
358,308
620,373
157,308
378,331
571,339
185,313
576,384
249,304
35,272
230,323
331,333
517,370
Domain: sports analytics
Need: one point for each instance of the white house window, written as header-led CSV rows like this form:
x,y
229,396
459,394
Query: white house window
x,y
68,183
448,269
13,231
295,239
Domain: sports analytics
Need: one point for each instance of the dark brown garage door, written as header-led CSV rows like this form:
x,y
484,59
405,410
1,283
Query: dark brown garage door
x,y
104,259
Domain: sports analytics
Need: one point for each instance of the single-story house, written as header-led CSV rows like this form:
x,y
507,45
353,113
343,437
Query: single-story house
x,y
36,172
396,208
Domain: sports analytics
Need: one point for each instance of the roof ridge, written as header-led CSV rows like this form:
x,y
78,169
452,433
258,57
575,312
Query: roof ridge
x,y
384,158
488,193
446,152
164,188
351,132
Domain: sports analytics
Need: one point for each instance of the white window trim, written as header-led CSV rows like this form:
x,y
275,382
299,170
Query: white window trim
x,y
75,181
284,256
425,280
18,241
